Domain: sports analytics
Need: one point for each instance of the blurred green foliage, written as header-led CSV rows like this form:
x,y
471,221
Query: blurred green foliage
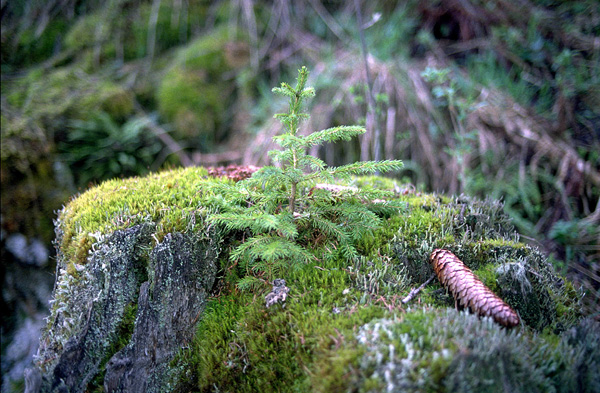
x,y
194,94
100,149
203,68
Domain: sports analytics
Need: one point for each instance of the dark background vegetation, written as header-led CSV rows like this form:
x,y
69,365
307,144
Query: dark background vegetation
x,y
494,99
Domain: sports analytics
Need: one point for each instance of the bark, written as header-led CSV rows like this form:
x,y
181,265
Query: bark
x,y
169,294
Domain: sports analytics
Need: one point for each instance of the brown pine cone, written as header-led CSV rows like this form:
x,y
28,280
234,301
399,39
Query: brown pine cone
x,y
468,290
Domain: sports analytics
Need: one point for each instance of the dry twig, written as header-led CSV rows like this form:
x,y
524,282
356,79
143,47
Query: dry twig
x,y
415,292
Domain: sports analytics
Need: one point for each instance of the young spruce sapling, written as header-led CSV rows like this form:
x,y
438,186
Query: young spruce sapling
x,y
301,209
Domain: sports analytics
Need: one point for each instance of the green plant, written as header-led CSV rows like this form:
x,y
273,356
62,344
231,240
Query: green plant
x,y
99,148
450,95
285,212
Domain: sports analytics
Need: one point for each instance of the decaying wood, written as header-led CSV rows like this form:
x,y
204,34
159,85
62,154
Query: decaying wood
x,y
233,172
468,290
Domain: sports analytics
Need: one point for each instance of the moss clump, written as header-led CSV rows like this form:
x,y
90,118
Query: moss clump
x,y
488,275
194,94
35,117
245,347
93,35
26,164
172,199
441,350
313,343
483,238
92,29
66,93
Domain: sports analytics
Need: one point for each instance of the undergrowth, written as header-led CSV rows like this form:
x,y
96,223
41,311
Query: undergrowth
x,y
314,342
247,347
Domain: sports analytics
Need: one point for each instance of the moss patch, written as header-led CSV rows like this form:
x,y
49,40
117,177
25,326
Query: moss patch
x,y
442,350
314,342
247,347
172,199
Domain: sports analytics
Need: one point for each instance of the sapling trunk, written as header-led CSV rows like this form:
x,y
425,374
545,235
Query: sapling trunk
x,y
293,198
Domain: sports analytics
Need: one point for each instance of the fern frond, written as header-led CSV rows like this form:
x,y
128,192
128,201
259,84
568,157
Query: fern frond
x,y
287,140
265,223
281,223
266,172
263,181
289,118
270,248
273,268
285,90
302,78
308,92
233,221
313,163
282,156
355,218
367,193
328,228
245,252
348,251
277,248
387,208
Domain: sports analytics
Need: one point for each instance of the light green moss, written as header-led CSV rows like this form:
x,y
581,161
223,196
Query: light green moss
x,y
172,199
91,36
69,93
246,347
37,188
88,31
487,274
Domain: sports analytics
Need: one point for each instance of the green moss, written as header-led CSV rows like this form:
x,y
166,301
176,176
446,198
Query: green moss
x,y
243,346
487,274
437,350
50,98
87,31
123,333
193,94
311,343
380,183
36,188
172,199
478,253
91,35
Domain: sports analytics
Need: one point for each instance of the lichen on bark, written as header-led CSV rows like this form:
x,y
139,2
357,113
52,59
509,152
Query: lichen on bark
x,y
168,285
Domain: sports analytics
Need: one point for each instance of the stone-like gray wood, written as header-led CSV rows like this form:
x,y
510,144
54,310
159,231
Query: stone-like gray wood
x,y
169,288
169,307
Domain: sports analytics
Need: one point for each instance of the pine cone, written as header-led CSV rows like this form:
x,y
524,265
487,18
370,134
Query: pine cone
x,y
468,290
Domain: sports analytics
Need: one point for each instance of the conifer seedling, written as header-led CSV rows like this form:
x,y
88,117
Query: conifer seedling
x,y
302,208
